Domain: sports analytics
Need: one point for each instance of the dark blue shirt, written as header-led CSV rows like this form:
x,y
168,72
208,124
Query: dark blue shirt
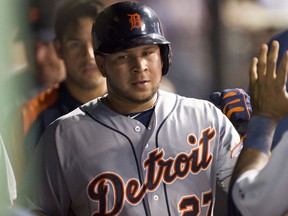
x,y
63,102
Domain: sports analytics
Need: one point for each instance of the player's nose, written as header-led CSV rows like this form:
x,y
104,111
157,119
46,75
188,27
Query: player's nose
x,y
139,65
88,50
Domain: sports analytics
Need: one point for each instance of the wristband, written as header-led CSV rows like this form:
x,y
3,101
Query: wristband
x,y
260,133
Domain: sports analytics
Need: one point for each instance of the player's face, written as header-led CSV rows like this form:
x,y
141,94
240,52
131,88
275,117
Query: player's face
x,y
50,69
76,50
133,75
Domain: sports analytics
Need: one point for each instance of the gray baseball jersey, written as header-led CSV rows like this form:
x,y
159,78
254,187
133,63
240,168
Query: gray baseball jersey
x,y
265,192
94,161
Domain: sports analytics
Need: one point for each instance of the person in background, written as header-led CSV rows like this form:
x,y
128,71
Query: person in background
x,y
49,68
37,66
137,147
83,82
260,176
34,66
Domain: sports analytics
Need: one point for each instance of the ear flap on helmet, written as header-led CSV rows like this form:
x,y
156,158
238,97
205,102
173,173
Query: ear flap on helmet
x,y
166,55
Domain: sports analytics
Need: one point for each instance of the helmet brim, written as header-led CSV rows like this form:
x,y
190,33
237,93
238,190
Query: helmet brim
x,y
128,43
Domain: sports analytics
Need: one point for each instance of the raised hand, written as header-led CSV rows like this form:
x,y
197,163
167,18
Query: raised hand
x,y
268,88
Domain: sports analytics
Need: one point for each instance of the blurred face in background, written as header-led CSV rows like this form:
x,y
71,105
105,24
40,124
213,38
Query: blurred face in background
x,y
75,48
49,68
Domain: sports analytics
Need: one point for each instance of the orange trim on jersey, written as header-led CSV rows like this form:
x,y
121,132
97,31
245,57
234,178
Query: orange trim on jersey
x,y
237,148
33,107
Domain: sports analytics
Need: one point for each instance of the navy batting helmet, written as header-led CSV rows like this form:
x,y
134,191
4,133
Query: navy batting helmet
x,y
126,25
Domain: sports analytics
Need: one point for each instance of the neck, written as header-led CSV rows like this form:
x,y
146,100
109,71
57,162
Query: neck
x,y
84,95
123,107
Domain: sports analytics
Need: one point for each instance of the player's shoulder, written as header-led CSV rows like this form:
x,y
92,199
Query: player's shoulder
x,y
65,122
32,108
78,113
72,121
183,99
196,102
42,101
188,102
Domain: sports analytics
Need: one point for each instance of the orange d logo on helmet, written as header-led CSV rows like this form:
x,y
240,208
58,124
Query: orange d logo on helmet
x,y
135,21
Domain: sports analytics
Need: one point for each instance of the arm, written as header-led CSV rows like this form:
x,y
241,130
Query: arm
x,y
270,104
44,188
257,145
270,101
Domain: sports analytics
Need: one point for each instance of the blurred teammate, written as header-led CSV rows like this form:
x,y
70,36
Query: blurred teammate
x,y
257,178
49,68
73,23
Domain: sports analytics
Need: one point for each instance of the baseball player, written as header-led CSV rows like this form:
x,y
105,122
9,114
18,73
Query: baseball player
x,y
259,186
73,23
137,150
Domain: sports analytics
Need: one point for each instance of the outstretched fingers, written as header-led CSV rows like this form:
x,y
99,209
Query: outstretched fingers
x,y
272,61
253,73
281,82
253,70
268,88
282,72
262,62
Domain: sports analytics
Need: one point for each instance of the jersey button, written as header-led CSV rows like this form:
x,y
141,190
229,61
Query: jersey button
x,y
147,145
137,128
156,197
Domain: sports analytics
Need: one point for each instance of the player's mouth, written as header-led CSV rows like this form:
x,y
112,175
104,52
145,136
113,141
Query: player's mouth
x,y
141,84
90,68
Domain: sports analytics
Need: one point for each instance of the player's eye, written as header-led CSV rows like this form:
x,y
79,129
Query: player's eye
x,y
74,45
123,57
147,53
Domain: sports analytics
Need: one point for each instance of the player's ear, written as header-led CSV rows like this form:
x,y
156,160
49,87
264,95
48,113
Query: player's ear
x,y
100,61
58,48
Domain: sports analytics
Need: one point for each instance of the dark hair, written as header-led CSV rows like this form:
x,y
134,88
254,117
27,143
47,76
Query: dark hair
x,y
70,11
